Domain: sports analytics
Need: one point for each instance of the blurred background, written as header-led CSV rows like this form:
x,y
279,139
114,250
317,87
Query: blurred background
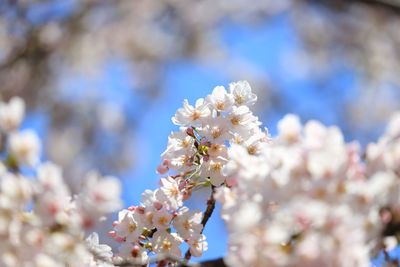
x,y
102,79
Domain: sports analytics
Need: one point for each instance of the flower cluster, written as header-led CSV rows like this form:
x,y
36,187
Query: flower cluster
x,y
208,128
310,198
195,157
41,222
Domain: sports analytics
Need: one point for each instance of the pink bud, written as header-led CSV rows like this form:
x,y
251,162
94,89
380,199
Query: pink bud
x,y
140,210
135,251
132,208
190,132
162,169
113,234
115,223
157,205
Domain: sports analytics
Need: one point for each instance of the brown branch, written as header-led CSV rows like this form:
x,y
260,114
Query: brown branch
x,y
159,258
213,263
32,49
207,214
392,5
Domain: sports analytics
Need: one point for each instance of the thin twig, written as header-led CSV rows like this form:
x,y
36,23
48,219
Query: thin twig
x,y
207,214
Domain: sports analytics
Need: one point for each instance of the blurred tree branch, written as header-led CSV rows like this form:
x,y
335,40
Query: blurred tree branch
x,y
393,5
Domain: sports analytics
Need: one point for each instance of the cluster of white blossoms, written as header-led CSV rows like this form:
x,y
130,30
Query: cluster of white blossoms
x,y
194,158
41,223
310,199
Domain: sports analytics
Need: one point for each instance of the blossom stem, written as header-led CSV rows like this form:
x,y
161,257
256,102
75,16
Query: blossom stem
x,y
207,215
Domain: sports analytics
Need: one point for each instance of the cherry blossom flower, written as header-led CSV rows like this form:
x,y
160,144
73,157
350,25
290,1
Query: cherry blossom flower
x,y
129,225
133,253
189,115
242,94
188,223
164,242
25,147
220,99
11,114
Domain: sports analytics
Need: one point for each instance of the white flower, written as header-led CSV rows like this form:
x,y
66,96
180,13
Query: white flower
x,y
161,219
242,121
129,225
133,254
170,194
11,114
217,150
216,130
179,151
43,260
242,94
220,99
198,244
179,143
67,248
50,178
393,128
191,116
188,223
148,198
99,196
53,198
390,243
289,128
52,208
213,169
25,147
249,210
255,141
237,160
164,242
15,190
391,157
102,254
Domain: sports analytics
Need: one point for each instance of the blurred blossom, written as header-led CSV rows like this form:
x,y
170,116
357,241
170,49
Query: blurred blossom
x,y
111,117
